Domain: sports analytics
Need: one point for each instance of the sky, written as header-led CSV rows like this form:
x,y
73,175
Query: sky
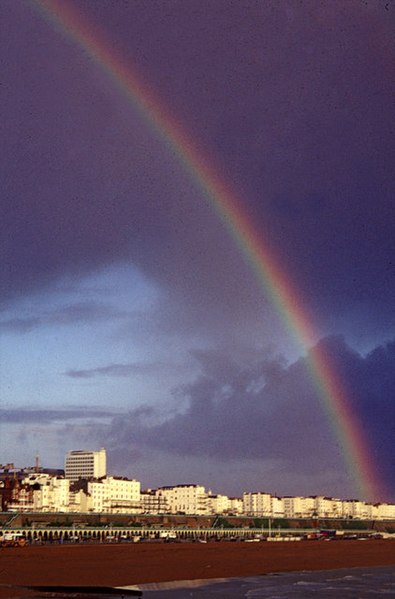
x,y
130,318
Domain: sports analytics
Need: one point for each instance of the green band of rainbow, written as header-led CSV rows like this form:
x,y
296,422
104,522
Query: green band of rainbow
x,y
273,279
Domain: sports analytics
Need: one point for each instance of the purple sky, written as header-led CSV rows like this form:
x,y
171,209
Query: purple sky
x,y
129,318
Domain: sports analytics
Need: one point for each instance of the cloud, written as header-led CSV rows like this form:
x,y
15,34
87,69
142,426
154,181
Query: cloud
x,y
84,312
20,325
68,315
44,415
117,370
270,411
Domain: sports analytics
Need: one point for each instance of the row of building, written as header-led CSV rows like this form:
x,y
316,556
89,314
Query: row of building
x,y
85,487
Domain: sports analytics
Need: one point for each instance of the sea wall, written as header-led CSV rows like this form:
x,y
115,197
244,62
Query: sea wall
x,y
39,519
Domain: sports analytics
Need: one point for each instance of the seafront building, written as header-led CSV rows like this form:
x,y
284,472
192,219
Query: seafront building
x,y
52,495
299,507
152,503
86,488
184,499
257,504
277,507
114,495
218,504
85,464
235,505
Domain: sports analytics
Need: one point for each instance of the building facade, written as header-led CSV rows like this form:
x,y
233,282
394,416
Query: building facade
x,y
257,504
52,495
184,499
218,504
115,495
81,464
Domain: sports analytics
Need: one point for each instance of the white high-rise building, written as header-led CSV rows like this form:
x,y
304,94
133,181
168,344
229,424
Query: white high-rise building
x,y
85,464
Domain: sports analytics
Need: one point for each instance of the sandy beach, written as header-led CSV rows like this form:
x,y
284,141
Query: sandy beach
x,y
124,564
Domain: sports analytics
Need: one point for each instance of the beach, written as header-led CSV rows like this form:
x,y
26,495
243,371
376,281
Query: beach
x,y
128,564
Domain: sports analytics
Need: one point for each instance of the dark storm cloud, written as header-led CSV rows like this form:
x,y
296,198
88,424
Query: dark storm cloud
x,y
270,411
293,103
371,384
237,413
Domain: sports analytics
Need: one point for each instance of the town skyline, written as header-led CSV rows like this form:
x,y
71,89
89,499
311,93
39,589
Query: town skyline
x,y
96,471
84,486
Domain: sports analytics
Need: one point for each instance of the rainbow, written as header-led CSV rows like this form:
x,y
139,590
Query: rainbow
x,y
229,208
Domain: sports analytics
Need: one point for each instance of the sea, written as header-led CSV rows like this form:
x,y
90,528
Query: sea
x,y
346,583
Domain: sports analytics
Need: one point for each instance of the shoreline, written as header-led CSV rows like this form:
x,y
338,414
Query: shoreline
x,y
134,564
